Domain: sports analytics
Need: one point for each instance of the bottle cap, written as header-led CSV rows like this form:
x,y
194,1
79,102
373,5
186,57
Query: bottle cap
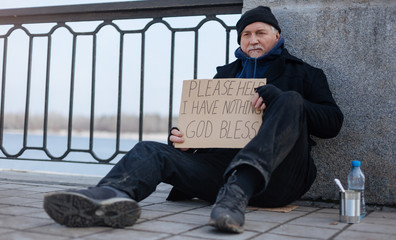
x,y
355,163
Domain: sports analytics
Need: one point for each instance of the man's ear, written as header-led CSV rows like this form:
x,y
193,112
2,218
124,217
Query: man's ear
x,y
277,36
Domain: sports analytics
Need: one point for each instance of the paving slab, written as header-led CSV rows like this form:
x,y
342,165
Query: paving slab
x,y
22,217
304,231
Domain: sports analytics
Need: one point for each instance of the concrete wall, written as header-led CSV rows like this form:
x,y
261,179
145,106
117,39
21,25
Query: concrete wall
x,y
354,43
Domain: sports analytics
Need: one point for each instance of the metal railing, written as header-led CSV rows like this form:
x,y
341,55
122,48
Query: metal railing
x,y
16,21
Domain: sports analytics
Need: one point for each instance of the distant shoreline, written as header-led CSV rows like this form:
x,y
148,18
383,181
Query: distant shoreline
x,y
97,134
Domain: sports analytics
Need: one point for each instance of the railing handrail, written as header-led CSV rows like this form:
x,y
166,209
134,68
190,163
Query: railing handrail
x,y
119,10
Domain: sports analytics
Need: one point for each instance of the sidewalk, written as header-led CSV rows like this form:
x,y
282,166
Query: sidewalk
x,y
22,217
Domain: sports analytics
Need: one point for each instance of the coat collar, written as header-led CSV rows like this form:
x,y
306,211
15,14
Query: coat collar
x,y
273,72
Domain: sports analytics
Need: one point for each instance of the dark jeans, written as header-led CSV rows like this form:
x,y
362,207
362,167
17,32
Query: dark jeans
x,y
280,152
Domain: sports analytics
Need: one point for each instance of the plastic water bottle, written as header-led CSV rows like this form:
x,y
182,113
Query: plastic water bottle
x,y
356,182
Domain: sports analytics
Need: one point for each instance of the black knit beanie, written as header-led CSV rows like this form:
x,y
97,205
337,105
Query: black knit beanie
x,y
258,14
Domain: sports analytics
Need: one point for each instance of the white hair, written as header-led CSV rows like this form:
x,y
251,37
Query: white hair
x,y
274,30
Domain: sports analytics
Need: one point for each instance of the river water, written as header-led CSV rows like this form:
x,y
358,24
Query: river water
x,y
103,147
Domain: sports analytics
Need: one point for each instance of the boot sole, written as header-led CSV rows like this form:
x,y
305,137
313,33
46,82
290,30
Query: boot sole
x,y
223,224
77,210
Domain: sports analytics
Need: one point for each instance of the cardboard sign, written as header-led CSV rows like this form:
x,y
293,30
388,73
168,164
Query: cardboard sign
x,y
218,113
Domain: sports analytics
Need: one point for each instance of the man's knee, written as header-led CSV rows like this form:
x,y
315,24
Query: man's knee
x,y
292,98
149,145
290,102
148,149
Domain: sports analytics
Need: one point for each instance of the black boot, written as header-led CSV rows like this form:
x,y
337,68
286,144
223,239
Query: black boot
x,y
97,206
228,213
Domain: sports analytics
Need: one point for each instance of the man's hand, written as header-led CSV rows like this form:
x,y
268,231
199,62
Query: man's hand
x,y
264,95
258,102
177,137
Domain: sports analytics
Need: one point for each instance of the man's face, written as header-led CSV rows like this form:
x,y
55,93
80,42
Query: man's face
x,y
257,39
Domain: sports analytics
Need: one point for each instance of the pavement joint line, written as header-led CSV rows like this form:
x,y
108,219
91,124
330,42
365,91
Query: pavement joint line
x,y
66,184
181,233
340,231
31,230
45,182
200,226
345,228
292,219
258,233
171,213
167,215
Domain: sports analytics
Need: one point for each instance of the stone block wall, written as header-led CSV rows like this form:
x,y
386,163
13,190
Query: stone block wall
x,y
354,42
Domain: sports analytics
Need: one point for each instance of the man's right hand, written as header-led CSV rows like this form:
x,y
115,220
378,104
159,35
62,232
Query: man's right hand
x,y
177,137
258,102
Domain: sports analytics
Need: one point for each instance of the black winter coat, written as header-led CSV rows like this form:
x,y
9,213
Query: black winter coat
x,y
289,73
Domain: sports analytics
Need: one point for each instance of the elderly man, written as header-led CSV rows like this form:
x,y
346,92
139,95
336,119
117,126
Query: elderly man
x,y
274,169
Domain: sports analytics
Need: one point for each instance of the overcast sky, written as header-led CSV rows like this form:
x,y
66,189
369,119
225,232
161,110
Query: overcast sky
x,y
40,3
